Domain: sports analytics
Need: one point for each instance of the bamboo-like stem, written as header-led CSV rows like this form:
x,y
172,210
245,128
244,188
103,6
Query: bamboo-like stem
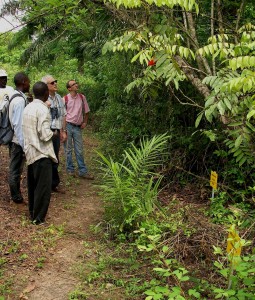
x,y
212,34
239,13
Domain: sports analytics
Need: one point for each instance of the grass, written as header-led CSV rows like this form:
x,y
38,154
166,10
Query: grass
x,y
5,282
107,271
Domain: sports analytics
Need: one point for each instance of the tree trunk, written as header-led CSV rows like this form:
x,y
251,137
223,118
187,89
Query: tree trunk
x,y
192,77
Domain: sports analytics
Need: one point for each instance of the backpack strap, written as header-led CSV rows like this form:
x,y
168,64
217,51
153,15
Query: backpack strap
x,y
14,96
10,100
66,100
17,95
83,108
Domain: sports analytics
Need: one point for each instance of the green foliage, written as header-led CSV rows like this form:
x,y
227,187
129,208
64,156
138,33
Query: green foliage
x,y
185,4
221,213
232,87
240,278
171,279
130,188
6,283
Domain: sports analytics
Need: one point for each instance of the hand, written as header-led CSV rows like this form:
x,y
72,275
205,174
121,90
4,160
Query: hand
x,y
63,136
83,125
48,103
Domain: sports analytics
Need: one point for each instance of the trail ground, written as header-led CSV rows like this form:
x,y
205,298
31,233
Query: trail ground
x,y
42,262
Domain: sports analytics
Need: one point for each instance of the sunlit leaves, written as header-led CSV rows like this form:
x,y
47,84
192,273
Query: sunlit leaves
x,y
242,62
188,5
215,49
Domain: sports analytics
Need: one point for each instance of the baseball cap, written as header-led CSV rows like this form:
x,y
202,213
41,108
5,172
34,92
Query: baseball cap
x,y
3,73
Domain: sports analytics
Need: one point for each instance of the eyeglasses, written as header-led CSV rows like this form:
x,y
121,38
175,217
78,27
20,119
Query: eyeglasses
x,y
73,84
55,81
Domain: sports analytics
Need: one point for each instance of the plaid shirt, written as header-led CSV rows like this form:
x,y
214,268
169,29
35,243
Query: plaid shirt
x,y
57,102
37,133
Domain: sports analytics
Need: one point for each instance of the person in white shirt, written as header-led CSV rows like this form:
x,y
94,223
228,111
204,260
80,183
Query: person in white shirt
x,y
58,125
39,153
17,157
5,90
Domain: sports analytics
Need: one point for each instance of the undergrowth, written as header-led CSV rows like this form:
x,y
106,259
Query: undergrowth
x,y
171,251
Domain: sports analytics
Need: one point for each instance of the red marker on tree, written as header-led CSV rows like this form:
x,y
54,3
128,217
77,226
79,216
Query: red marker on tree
x,y
151,62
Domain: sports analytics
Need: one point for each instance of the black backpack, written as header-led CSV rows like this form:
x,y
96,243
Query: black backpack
x,y
6,131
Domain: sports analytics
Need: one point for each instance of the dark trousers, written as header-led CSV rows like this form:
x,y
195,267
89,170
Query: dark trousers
x,y
39,178
56,147
17,160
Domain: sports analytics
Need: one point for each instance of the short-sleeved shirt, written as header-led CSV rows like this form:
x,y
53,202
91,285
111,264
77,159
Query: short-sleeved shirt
x,y
37,133
57,102
74,110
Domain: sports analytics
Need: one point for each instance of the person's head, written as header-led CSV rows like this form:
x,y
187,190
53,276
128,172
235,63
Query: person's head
x,y
3,78
41,91
72,86
51,83
22,82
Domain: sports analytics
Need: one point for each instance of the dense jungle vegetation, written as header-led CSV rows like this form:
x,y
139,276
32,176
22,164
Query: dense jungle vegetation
x,y
171,86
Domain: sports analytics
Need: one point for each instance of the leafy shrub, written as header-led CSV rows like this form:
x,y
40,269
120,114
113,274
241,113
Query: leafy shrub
x,y
130,188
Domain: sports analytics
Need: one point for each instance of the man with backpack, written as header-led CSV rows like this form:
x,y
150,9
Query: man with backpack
x,y
77,110
5,90
6,131
18,101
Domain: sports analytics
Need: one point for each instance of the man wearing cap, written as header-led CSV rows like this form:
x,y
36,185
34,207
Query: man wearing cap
x,y
5,91
58,125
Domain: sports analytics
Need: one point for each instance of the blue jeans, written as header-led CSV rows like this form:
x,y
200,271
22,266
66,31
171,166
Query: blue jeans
x,y
74,139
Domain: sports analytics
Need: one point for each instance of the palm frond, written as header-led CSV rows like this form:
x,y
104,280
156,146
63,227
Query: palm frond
x,y
129,188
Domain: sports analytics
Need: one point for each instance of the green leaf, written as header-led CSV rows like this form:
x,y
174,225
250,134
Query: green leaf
x,y
227,103
250,114
161,60
238,141
194,293
198,120
242,161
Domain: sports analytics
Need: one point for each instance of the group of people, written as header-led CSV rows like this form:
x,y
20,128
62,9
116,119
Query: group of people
x,y
39,125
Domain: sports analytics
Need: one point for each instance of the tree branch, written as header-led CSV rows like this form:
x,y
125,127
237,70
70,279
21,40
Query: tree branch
x,y
195,81
200,59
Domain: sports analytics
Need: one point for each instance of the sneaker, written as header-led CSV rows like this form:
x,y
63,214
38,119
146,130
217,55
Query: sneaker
x,y
87,176
36,222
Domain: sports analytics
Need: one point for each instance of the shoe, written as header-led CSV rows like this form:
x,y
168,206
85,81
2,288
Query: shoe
x,y
18,201
36,222
87,176
71,174
58,190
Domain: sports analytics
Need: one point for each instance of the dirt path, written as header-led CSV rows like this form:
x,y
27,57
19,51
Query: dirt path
x,y
56,280
43,265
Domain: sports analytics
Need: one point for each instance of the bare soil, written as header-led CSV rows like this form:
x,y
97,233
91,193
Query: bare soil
x,y
39,261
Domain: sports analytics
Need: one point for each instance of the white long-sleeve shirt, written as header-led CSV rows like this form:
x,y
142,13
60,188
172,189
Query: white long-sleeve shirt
x,y
37,133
